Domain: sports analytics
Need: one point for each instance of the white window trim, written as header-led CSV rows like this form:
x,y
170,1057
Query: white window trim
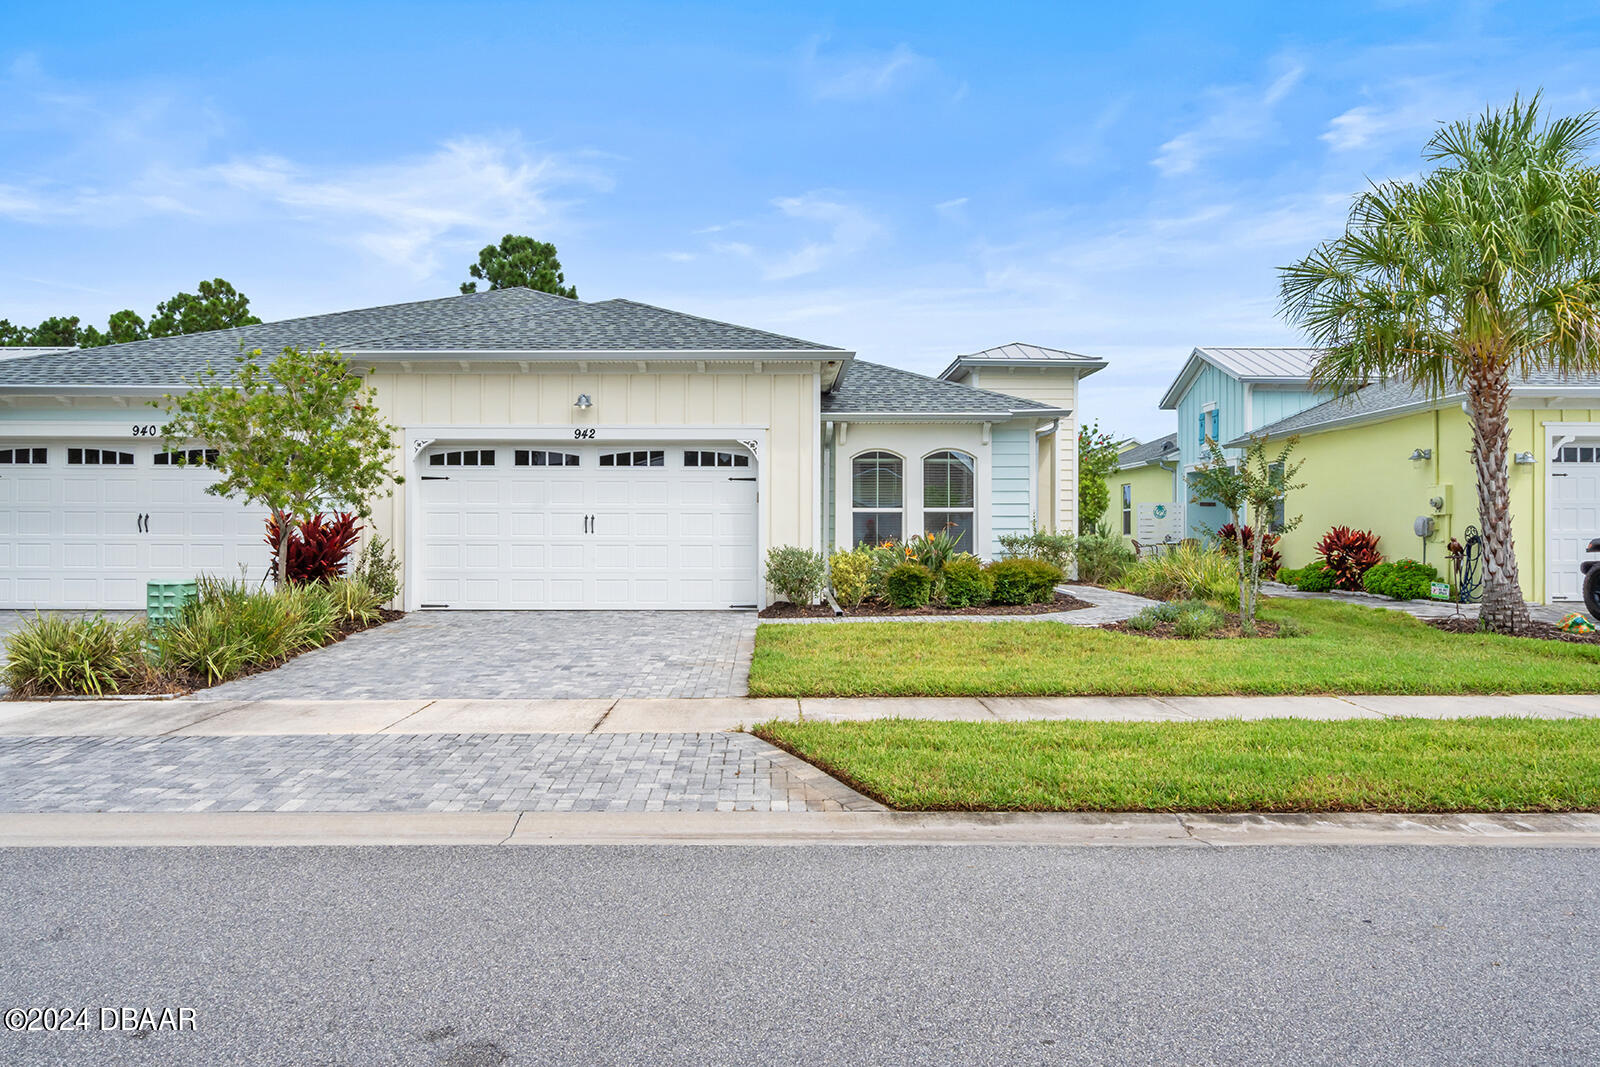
x,y
977,532
902,510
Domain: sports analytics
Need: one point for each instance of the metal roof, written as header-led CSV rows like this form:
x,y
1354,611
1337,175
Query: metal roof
x,y
1284,365
873,389
1017,354
1386,400
510,323
1149,452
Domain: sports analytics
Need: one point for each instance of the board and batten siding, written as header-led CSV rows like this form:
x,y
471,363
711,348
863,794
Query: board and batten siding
x,y
1058,387
1011,505
783,402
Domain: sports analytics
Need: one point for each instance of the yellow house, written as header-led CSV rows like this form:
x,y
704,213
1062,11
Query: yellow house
x,y
1144,492
1386,458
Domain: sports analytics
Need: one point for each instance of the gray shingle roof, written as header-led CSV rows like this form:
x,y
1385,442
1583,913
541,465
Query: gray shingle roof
x,y
875,389
1386,399
501,320
1149,452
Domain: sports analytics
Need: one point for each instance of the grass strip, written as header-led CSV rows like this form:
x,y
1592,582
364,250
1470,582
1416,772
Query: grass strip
x,y
1345,648
1272,765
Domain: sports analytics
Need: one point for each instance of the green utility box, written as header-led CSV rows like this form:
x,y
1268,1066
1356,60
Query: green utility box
x,y
163,601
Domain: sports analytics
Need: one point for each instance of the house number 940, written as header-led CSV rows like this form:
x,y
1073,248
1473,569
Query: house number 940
x,y
147,430
583,433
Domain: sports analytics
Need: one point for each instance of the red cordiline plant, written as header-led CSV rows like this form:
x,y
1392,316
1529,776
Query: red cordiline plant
x,y
319,547
1348,554
1271,558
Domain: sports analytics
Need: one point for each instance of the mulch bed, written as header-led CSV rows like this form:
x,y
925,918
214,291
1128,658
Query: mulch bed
x,y
1169,631
873,609
183,685
1542,631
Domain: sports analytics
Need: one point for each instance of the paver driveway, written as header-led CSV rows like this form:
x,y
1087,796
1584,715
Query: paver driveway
x,y
521,654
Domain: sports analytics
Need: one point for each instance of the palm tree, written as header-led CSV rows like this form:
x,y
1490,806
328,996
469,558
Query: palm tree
x,y
1485,269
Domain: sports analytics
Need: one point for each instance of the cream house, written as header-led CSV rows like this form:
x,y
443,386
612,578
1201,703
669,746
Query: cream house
x,y
555,454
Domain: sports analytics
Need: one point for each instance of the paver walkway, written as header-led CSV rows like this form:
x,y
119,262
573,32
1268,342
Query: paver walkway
x,y
521,654
414,773
1422,609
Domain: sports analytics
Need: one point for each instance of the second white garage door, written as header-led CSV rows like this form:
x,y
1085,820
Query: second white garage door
x,y
642,526
85,524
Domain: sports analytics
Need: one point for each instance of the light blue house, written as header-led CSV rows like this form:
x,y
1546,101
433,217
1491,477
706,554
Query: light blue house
x,y
1224,394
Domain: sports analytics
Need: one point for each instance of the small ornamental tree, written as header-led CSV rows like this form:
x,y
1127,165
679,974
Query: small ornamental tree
x,y
1252,490
1097,458
299,435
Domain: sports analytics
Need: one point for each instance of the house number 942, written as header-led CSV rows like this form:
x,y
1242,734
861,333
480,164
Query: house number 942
x,y
583,433
147,430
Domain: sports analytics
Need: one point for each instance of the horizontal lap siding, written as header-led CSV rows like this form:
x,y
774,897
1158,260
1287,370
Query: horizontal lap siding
x,y
1011,510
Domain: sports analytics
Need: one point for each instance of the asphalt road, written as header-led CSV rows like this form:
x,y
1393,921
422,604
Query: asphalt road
x,y
845,955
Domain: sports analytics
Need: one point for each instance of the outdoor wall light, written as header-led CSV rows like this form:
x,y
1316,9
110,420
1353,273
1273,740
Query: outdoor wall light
x,y
583,403
1421,453
1523,459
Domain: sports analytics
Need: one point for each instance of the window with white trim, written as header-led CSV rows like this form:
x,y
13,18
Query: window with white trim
x,y
187,457
715,459
98,457
1127,509
24,455
644,457
465,457
877,498
949,493
534,457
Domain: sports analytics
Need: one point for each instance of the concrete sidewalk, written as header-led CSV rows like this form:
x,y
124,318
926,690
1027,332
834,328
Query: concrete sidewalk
x,y
222,718
1117,829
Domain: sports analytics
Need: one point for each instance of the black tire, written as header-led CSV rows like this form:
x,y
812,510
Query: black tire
x,y
1591,593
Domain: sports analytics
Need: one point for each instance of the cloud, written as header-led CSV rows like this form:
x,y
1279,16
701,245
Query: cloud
x,y
954,210
1410,114
471,189
849,229
859,75
1234,115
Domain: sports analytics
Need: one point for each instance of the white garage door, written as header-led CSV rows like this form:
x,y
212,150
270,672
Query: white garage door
x,y
1572,517
84,524
547,526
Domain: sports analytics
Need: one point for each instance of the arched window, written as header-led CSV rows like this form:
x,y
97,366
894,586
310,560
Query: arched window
x,y
877,498
949,492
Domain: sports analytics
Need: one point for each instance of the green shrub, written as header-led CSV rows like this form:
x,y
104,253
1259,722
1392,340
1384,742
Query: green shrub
x,y
1403,579
1023,581
796,573
1186,572
1288,575
54,654
966,584
1103,557
884,558
851,573
378,568
355,603
1315,578
1290,628
232,628
1052,548
910,585
1201,621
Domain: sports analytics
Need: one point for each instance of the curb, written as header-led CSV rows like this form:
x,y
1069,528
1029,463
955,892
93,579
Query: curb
x,y
1058,829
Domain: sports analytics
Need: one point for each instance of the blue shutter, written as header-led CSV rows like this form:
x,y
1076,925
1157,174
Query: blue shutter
x,y
1202,429
1216,425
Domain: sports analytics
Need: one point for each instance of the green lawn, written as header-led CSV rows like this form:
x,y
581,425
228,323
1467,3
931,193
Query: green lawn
x,y
1224,765
1346,649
